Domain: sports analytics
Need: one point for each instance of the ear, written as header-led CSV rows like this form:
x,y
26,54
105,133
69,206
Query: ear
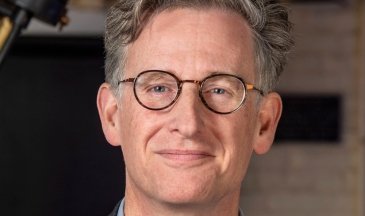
x,y
108,112
268,118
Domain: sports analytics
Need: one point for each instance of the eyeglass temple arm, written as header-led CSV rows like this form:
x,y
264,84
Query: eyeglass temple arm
x,y
251,87
126,80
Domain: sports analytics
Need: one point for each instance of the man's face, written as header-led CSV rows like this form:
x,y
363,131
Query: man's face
x,y
187,153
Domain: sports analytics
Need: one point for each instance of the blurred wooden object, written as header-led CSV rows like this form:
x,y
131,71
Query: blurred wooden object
x,y
5,28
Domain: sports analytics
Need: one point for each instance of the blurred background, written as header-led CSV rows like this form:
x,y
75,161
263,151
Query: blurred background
x,y
316,165
54,159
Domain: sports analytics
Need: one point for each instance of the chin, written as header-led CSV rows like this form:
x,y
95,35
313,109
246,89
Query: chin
x,y
185,194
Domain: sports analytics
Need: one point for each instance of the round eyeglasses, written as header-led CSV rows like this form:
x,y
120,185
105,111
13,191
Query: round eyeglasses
x,y
220,93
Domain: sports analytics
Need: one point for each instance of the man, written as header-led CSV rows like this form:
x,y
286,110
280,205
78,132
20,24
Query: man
x,y
188,97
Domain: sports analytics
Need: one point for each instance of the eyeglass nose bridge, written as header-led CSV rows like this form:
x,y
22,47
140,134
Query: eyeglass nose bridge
x,y
181,82
199,83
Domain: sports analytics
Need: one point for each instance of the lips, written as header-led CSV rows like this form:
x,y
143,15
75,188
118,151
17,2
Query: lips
x,y
184,155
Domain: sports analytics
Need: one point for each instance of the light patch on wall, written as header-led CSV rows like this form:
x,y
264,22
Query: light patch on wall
x,y
92,4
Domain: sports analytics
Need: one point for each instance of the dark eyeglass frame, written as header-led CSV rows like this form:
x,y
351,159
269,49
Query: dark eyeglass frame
x,y
180,84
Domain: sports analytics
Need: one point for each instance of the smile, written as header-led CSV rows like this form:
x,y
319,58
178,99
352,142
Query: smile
x,y
184,155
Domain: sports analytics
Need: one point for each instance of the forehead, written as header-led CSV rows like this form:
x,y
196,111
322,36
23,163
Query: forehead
x,y
193,42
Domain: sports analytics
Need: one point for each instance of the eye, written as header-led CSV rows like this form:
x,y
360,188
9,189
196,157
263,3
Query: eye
x,y
159,89
219,91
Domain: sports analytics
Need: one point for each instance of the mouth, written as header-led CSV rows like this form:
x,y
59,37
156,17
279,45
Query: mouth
x,y
184,155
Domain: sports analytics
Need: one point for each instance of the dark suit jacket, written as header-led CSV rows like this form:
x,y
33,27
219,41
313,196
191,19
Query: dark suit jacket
x,y
115,211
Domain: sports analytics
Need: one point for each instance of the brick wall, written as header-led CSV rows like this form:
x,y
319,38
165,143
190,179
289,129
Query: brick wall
x,y
311,178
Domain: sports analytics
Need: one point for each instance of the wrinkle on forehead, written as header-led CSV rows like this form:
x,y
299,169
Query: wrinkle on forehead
x,y
197,27
198,32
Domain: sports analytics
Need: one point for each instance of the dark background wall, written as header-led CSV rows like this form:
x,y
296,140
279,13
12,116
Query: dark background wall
x,y
54,159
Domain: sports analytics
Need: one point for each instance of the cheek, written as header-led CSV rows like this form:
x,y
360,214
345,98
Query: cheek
x,y
239,140
244,131
239,128
137,126
242,144
134,130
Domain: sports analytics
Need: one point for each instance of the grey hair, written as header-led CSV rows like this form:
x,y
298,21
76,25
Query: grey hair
x,y
268,21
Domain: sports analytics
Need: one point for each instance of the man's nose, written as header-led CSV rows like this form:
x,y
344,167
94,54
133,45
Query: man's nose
x,y
187,112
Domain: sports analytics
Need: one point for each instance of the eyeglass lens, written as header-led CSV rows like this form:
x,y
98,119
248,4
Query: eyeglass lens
x,y
158,90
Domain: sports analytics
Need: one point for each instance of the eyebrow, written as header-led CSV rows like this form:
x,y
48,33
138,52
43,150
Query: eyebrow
x,y
221,72
208,73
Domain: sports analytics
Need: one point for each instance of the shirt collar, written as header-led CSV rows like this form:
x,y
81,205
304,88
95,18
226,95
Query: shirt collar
x,y
121,208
